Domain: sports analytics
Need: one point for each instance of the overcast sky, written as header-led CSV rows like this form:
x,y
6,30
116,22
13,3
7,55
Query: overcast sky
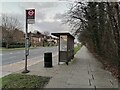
x,y
49,13
48,17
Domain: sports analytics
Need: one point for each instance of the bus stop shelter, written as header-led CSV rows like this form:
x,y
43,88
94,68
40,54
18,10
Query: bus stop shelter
x,y
65,47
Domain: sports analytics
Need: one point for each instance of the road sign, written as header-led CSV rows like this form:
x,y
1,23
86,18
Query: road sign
x,y
30,21
31,12
30,16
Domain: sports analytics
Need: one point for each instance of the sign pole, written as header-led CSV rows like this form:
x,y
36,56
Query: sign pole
x,y
26,47
30,19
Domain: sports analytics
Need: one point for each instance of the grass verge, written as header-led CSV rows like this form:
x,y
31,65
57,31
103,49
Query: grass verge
x,y
23,81
76,49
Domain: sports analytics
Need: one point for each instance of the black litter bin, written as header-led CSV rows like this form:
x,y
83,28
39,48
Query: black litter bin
x,y
48,59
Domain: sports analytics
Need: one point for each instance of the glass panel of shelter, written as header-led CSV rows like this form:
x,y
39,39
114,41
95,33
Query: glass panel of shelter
x,y
63,42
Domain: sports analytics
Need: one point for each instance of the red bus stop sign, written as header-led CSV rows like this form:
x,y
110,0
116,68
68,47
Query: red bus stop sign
x,y
30,13
30,16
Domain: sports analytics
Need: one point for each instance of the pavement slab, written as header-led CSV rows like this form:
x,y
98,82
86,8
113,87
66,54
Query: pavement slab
x,y
85,71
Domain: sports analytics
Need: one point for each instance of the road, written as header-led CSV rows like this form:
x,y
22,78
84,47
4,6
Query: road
x,y
9,57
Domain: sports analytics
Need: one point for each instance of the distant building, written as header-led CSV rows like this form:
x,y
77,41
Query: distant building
x,y
39,39
52,41
36,39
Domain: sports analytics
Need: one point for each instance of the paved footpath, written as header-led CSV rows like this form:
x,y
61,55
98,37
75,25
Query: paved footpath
x,y
84,72
15,67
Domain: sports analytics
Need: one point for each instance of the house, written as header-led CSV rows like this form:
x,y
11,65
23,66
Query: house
x,y
52,41
39,39
36,39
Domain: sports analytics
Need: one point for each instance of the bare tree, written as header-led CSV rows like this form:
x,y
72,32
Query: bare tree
x,y
99,26
9,22
10,25
18,36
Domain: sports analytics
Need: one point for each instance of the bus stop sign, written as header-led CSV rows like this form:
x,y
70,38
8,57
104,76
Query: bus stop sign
x,y
30,16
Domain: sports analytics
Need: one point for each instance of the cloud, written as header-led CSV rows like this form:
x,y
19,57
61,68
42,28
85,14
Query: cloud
x,y
48,4
44,25
51,26
19,17
40,16
42,8
48,15
38,5
36,0
58,16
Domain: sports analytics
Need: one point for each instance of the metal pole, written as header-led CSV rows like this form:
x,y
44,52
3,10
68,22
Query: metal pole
x,y
59,51
26,47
